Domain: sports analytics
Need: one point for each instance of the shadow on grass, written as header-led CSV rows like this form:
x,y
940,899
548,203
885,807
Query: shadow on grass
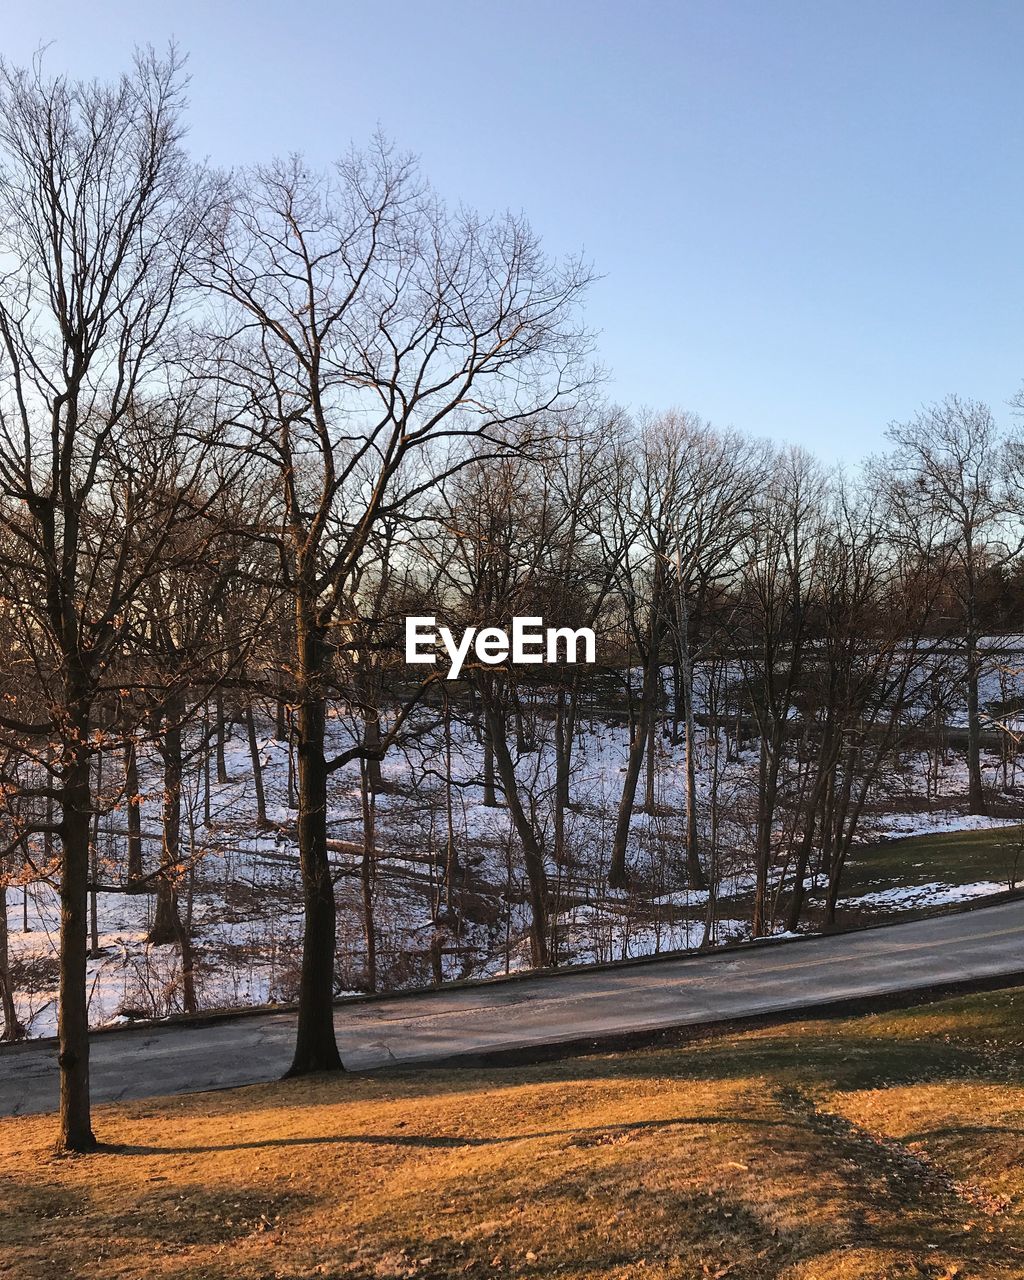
x,y
840,1060
818,1059
453,1141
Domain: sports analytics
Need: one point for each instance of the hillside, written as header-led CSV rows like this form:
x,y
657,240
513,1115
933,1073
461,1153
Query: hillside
x,y
877,1147
240,892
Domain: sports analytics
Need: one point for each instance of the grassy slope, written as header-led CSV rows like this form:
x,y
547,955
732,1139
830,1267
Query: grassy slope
x,y
950,857
875,1147
906,862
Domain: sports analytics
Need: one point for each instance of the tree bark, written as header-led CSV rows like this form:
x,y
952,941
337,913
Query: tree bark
x,y
134,800
167,923
280,717
166,926
257,767
221,734
13,1030
562,765
451,852
618,875
651,770
694,869
824,777
371,740
75,1119
768,790
366,876
490,798
533,854
316,1047
976,793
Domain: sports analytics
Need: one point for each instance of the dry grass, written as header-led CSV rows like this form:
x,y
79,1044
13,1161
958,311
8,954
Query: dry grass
x,y
887,1146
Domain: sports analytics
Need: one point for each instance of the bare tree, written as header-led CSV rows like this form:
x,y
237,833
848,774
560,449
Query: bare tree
x,y
780,573
950,465
375,335
99,210
873,606
692,501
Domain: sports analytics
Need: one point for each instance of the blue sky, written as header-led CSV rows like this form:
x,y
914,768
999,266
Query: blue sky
x,y
807,215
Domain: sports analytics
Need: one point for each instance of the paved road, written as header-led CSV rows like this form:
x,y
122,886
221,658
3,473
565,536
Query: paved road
x,y
181,1058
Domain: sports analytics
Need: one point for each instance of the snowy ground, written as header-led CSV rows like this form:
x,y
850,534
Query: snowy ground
x,y
244,905
914,897
927,824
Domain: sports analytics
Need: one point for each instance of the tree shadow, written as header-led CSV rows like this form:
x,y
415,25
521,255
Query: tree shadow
x,y
450,1141
841,1060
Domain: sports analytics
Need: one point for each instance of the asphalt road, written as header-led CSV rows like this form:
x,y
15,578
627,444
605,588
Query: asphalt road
x,y
185,1058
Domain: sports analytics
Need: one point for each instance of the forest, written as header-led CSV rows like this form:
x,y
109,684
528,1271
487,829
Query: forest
x,y
250,423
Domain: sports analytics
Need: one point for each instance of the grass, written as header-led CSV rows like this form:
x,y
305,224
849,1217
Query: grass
x,y
875,1147
994,855
951,857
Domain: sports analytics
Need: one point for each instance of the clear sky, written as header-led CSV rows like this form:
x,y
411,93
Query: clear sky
x,y
807,215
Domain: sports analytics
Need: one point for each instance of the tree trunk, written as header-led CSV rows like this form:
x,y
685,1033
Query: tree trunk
x,y
75,1121
694,869
768,787
618,875
533,854
257,767
651,771
166,926
561,777
451,853
94,874
490,798
280,717
131,786
316,1048
569,721
293,799
207,815
48,833
221,732
366,876
371,740
976,793
678,710
13,1030
189,999
825,773
837,862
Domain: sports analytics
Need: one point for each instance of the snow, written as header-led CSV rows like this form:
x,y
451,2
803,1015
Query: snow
x,y
246,899
934,894
927,824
